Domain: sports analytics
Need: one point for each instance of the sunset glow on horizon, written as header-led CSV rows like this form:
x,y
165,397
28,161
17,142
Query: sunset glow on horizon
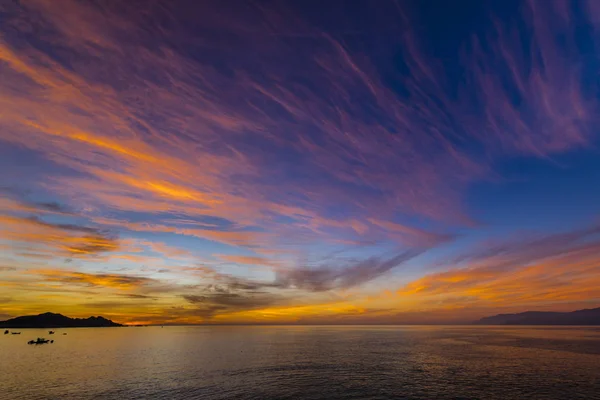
x,y
298,162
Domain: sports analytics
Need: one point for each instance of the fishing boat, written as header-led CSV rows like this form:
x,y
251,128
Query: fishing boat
x,y
40,341
15,333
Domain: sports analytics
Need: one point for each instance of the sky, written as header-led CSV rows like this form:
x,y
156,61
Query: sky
x,y
274,162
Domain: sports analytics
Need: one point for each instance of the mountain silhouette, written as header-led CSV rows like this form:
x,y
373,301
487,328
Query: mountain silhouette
x,y
51,320
579,317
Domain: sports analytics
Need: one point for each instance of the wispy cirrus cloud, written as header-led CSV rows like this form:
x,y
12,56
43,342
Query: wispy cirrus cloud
x,y
23,226
55,238
531,92
343,276
535,271
118,281
9,204
230,178
262,131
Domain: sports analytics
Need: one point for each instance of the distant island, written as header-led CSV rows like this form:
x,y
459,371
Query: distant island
x,y
580,317
51,320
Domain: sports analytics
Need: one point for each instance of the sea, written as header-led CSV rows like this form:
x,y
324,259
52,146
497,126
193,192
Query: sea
x,y
303,362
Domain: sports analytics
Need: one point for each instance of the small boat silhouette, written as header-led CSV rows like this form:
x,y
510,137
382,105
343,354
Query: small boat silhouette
x,y
50,332
6,332
15,333
40,341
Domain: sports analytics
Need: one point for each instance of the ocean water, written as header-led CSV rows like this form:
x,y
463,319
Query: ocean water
x,y
303,362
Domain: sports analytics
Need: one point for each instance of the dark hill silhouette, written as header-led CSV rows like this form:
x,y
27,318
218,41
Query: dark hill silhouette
x,y
51,320
579,317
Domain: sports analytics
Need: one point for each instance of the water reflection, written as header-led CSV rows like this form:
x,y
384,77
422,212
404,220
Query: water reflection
x,y
304,362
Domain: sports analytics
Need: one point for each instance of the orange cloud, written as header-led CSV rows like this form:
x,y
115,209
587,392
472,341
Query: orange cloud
x,y
116,281
236,238
65,239
556,269
250,260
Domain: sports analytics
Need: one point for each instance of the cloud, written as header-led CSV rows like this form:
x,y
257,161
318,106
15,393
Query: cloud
x,y
13,199
164,250
224,302
24,224
117,281
517,252
411,235
32,236
234,238
205,138
249,260
330,277
7,203
55,239
532,92
138,296
553,268
230,294
213,293
276,136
